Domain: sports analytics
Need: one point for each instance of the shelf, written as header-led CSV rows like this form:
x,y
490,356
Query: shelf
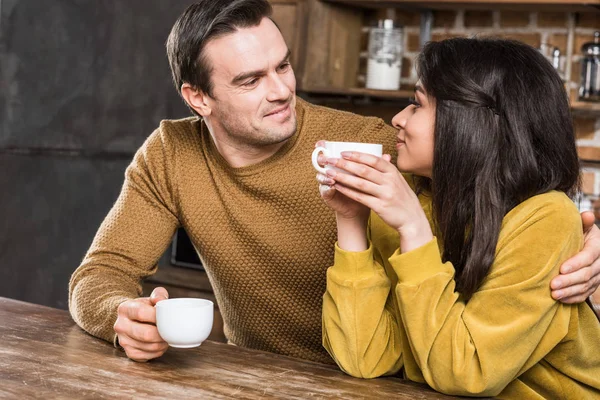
x,y
544,5
361,92
589,154
581,108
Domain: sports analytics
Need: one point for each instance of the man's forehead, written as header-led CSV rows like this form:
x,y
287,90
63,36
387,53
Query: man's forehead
x,y
246,49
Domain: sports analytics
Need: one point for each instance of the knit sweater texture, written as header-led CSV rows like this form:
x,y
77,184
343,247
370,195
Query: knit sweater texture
x,y
385,311
262,232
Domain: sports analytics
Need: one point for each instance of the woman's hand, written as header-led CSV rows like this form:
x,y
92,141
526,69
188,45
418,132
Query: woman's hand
x,y
351,216
343,206
378,184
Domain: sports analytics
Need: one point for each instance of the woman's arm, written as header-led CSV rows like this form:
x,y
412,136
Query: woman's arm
x,y
360,324
479,347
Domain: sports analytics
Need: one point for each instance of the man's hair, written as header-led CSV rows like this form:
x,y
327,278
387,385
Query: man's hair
x,y
200,23
503,133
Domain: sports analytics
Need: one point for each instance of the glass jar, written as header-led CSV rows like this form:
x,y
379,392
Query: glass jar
x,y
590,70
385,56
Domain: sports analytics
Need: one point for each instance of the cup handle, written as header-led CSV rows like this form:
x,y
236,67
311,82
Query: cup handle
x,y
315,156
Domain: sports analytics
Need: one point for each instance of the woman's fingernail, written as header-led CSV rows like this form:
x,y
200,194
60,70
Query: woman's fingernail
x,y
331,172
557,283
558,294
346,154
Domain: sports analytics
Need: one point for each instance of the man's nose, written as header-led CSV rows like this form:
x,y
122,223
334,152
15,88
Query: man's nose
x,y
278,90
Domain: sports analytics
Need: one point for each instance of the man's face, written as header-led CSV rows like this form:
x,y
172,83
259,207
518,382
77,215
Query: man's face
x,y
254,86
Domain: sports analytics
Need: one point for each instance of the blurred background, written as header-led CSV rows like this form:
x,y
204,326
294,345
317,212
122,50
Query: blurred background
x,y
84,82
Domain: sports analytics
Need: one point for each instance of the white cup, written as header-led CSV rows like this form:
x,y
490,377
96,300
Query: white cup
x,y
334,149
184,322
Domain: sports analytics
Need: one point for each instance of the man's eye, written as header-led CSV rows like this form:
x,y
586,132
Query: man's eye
x,y
251,82
284,66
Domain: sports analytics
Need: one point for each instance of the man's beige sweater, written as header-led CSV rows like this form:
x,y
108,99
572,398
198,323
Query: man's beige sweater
x,y
262,232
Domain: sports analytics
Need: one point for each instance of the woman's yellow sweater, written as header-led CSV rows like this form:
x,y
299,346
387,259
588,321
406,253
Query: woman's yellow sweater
x,y
384,311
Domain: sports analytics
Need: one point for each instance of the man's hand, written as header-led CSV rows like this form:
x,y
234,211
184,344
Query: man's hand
x,y
580,275
136,327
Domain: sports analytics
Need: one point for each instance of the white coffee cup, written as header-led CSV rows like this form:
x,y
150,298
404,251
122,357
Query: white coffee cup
x,y
334,150
184,322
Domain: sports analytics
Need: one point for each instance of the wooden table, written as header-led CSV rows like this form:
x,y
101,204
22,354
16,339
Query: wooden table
x,y
43,354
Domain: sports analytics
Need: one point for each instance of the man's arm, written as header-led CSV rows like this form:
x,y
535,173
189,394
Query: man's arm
x,y
580,275
128,244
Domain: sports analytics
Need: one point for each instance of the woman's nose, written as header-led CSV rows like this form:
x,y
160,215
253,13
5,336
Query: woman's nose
x,y
399,120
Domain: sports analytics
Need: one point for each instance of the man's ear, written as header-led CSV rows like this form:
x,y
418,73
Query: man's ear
x,y
196,99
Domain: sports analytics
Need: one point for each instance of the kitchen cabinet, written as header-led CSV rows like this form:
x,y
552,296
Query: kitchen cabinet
x,y
335,38
535,5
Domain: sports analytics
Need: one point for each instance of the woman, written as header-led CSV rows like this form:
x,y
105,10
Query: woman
x,y
468,311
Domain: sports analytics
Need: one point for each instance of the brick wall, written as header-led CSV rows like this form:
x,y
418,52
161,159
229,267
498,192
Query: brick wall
x,y
533,28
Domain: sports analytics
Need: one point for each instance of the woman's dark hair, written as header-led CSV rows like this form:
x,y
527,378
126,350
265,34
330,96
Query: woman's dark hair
x,y
200,23
503,133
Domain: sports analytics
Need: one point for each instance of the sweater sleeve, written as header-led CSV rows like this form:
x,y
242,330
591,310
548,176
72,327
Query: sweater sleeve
x,y
359,322
129,242
509,324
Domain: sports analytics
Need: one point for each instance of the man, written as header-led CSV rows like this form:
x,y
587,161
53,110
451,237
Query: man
x,y
239,180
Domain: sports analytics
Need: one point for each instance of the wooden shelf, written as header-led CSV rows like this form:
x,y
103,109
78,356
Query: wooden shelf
x,y
582,108
361,92
579,108
536,5
589,154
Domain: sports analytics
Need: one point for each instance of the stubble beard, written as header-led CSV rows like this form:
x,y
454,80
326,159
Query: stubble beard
x,y
262,137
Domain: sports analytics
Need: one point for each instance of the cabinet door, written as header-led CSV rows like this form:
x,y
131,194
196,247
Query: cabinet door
x,y
290,16
331,45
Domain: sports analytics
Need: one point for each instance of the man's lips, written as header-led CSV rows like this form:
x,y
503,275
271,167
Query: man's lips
x,y
278,110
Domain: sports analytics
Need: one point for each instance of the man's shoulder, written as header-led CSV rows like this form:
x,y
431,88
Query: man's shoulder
x,y
331,114
179,128
172,136
172,132
345,125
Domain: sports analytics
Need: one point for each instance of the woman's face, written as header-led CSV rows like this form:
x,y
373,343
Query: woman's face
x,y
415,126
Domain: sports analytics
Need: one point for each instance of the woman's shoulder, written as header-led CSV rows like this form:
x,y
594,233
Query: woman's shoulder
x,y
552,212
538,235
554,204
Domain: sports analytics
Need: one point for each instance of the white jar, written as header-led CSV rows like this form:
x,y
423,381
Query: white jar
x,y
385,56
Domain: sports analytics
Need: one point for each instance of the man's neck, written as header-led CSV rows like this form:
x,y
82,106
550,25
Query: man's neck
x,y
239,155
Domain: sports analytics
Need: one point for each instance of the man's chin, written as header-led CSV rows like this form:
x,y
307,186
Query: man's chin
x,y
284,131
